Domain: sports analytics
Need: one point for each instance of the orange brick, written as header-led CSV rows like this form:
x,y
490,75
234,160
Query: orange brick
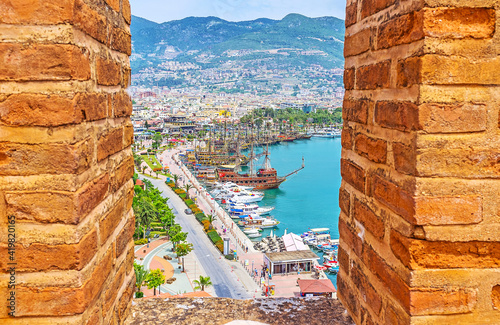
x,y
357,43
370,7
126,77
91,194
345,201
347,140
125,236
349,78
393,317
44,207
39,110
110,143
122,174
356,110
420,254
110,221
27,159
369,294
121,40
400,30
108,72
348,235
126,299
128,135
90,21
93,105
395,197
391,280
371,148
43,62
442,301
63,301
459,22
368,218
397,115
36,12
455,70
351,14
40,257
122,104
405,158
353,174
374,76
343,259
347,296
409,72
453,118
112,291
126,11
448,210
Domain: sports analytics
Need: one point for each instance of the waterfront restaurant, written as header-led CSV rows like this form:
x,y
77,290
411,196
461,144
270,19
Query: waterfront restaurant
x,y
290,262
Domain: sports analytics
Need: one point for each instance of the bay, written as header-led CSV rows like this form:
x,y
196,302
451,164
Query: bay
x,y
310,198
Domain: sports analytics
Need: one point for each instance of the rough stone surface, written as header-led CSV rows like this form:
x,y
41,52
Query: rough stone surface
x,y
215,311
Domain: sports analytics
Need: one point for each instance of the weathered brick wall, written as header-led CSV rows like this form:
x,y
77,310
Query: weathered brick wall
x,y
65,160
419,227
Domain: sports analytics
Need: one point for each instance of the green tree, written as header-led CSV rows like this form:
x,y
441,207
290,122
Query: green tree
x,y
182,250
145,212
176,234
203,282
176,178
140,276
167,219
154,279
137,160
157,140
187,187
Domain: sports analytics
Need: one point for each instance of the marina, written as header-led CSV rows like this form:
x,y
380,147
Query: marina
x,y
302,202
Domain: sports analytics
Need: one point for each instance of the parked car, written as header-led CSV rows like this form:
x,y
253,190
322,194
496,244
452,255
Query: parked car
x,y
188,211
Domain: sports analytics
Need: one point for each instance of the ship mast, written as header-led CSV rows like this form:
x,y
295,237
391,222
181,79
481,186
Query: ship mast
x,y
251,159
267,161
297,170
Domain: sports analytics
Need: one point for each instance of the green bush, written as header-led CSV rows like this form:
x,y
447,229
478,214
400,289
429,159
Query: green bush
x,y
189,202
141,241
159,232
182,195
156,224
139,294
200,217
229,257
214,236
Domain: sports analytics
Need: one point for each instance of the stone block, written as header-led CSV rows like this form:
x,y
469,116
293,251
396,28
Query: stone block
x,y
345,201
374,76
398,115
347,138
23,62
448,210
370,7
111,220
349,78
357,43
404,158
121,40
356,110
395,197
353,174
478,23
110,143
370,296
108,72
351,14
442,301
452,118
371,148
90,21
368,218
35,12
400,30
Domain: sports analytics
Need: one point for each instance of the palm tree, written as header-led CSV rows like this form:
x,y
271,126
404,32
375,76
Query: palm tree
x,y
145,213
187,187
176,178
210,219
140,276
144,169
203,282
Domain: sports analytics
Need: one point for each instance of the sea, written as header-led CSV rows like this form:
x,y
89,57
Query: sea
x,y
310,198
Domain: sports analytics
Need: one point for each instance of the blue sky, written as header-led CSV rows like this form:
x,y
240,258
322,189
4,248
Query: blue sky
x,y
235,10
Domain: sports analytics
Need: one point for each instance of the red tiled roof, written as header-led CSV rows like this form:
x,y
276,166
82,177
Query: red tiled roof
x,y
139,182
316,286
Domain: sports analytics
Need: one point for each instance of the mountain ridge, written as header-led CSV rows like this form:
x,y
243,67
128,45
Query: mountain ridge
x,y
212,41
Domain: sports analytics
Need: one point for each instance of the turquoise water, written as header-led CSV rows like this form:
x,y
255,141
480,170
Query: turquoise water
x,y
308,199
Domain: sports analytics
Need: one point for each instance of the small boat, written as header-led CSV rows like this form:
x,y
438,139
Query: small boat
x,y
252,230
254,235
241,209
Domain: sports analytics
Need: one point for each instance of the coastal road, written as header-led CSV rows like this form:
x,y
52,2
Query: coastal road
x,y
224,281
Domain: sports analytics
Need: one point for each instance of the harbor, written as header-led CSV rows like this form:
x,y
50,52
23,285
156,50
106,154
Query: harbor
x,y
288,201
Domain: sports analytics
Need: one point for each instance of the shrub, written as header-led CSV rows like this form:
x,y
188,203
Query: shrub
x,y
179,191
141,241
171,184
139,294
229,257
205,224
182,195
159,232
220,246
214,236
189,202
196,210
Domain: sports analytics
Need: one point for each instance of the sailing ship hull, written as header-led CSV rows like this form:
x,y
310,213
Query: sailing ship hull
x,y
264,180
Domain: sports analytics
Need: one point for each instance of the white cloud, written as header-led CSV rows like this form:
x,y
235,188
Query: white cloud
x,y
235,10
